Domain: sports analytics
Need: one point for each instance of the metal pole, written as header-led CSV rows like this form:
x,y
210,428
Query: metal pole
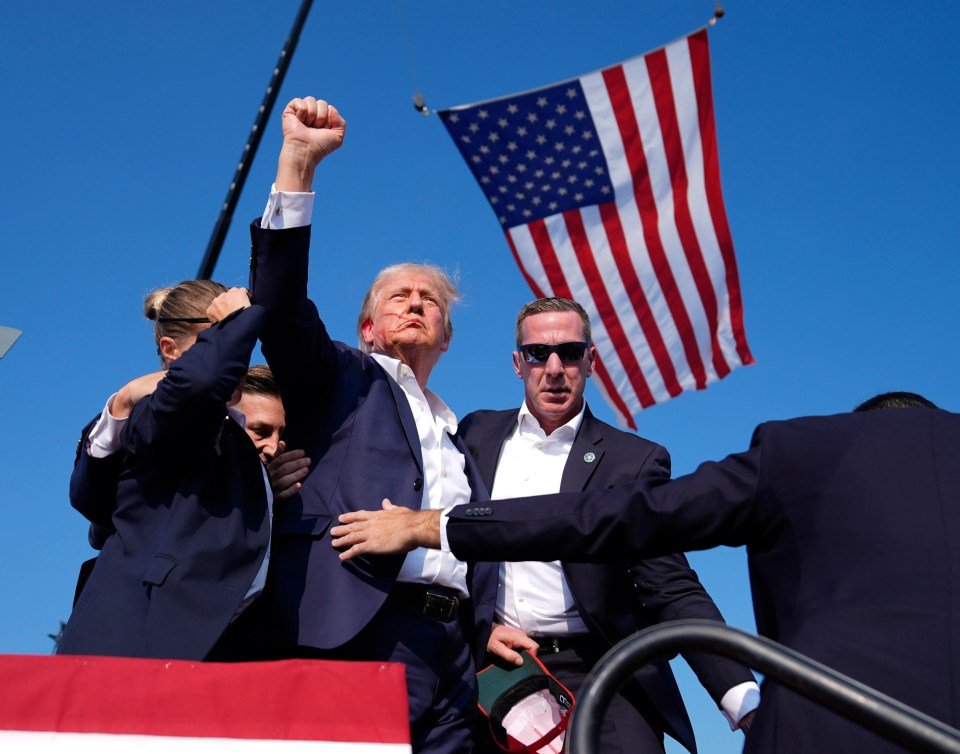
x,y
874,711
253,141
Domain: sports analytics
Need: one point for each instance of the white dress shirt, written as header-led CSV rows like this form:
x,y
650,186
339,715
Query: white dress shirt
x,y
535,596
444,479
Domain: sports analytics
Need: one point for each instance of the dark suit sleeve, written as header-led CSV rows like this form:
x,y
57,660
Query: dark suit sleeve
x,y
186,410
669,589
295,342
716,505
93,487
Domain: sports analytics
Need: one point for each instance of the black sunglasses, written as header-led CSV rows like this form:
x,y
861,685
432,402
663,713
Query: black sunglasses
x,y
538,353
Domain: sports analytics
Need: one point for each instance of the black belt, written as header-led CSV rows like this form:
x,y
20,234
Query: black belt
x,y
438,602
554,644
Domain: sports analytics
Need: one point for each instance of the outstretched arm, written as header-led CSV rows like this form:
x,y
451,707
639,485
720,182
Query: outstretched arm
x,y
312,129
393,530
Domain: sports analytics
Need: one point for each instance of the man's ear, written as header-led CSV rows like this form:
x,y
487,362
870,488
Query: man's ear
x,y
366,330
169,350
591,359
516,364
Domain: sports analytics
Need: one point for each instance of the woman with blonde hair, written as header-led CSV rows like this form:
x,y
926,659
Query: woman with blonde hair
x,y
187,533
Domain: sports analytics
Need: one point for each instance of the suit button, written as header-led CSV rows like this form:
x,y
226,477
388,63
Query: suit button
x,y
418,484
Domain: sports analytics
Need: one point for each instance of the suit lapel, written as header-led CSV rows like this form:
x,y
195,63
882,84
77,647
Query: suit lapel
x,y
585,456
406,417
488,451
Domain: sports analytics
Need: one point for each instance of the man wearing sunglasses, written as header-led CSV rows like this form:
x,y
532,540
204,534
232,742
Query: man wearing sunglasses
x,y
572,613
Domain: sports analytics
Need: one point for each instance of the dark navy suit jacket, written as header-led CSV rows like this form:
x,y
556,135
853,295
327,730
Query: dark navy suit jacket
x,y
617,599
356,425
190,517
852,527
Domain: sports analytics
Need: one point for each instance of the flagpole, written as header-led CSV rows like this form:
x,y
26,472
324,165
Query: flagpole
x,y
253,142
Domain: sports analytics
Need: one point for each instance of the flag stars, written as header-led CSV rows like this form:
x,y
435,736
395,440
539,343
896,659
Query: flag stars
x,y
538,174
541,139
578,197
577,149
552,206
522,131
599,170
555,175
562,191
551,123
494,136
474,127
565,163
512,108
494,169
483,114
579,115
512,146
527,213
572,179
541,101
571,93
531,155
512,178
502,189
589,183
569,130
605,189
528,185
521,168
536,201
502,122
454,118
465,139
476,159
549,161
586,135
532,117
484,149
561,109
503,159
559,146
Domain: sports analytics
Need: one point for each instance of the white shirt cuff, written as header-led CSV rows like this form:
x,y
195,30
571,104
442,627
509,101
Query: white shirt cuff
x,y
444,544
287,209
739,701
104,439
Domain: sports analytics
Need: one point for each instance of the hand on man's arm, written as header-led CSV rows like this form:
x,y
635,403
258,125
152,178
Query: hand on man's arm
x,y
393,530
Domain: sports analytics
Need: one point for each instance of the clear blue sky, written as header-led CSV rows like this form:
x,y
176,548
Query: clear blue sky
x,y
837,128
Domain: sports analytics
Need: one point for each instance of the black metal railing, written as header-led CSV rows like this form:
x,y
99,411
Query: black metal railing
x,y
874,711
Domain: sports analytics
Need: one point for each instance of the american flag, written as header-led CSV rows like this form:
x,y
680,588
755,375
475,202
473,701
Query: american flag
x,y
608,190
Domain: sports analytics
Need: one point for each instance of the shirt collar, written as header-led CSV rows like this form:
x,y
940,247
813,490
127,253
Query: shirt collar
x,y
404,376
527,421
237,415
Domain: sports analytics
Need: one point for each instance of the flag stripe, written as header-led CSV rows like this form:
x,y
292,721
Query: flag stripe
x,y
30,742
604,306
676,167
700,56
639,302
630,133
291,699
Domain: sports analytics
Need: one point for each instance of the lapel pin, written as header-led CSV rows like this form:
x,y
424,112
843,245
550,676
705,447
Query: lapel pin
x,y
589,457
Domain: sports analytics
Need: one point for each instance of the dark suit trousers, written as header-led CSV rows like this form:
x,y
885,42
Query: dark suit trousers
x,y
441,677
631,725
